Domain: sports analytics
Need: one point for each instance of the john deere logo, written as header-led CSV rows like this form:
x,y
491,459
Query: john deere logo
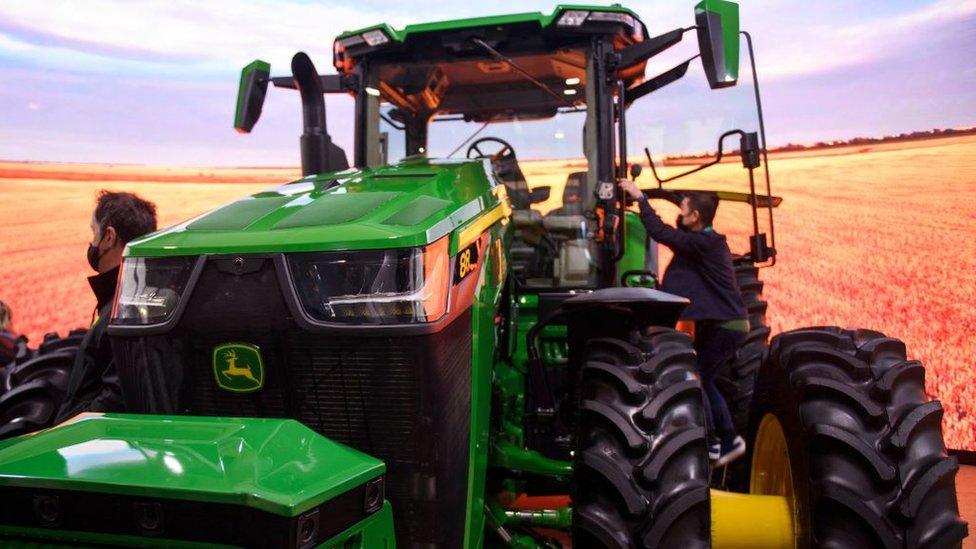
x,y
238,367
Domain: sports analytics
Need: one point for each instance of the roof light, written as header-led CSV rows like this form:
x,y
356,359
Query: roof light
x,y
353,40
569,91
372,91
375,37
572,81
611,17
572,18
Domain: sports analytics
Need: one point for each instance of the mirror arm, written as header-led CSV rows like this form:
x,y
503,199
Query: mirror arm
x,y
642,51
671,75
622,168
762,136
331,83
391,122
718,158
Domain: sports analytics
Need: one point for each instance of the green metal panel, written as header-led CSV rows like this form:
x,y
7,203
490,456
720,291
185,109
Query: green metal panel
x,y
386,207
274,465
247,73
635,248
484,343
542,19
417,211
339,208
237,215
726,15
510,380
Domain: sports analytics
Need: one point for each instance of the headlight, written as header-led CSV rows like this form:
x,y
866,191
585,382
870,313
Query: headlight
x,y
150,288
406,285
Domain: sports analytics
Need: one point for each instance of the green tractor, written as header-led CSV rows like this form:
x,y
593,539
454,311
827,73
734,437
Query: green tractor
x,y
410,352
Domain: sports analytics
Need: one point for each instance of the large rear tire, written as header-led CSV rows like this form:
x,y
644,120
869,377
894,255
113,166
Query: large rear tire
x,y
641,463
865,446
751,289
28,407
737,378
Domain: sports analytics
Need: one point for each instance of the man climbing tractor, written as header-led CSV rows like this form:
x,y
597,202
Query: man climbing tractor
x,y
702,271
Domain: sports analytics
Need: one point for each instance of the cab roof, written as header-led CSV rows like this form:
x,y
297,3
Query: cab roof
x,y
532,17
459,67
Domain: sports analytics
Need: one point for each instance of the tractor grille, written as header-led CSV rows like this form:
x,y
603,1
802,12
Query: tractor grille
x,y
405,400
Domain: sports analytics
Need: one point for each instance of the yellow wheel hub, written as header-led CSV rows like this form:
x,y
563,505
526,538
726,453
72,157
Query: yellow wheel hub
x,y
771,472
767,516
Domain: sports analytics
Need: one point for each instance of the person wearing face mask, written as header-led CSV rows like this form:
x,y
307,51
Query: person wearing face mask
x,y
8,338
701,270
118,219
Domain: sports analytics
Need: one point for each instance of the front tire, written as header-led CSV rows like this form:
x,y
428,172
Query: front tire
x,y
865,446
751,289
641,463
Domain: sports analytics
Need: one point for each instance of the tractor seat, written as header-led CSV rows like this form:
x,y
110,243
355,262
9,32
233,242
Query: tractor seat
x,y
572,196
508,171
566,226
528,225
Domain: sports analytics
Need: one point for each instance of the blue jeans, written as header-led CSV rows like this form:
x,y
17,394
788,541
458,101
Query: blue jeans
x,y
715,345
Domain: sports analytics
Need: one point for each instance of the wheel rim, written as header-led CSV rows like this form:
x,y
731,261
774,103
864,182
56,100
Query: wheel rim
x,y
772,473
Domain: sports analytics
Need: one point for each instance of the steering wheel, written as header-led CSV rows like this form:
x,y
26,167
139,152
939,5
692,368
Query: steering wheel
x,y
505,150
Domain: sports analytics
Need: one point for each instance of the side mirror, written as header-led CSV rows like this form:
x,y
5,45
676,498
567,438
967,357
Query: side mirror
x,y
250,95
635,171
718,41
539,194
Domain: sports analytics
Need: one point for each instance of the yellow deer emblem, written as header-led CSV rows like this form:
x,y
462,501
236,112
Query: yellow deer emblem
x,y
233,370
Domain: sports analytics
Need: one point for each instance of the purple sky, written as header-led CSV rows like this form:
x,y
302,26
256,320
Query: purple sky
x,y
155,81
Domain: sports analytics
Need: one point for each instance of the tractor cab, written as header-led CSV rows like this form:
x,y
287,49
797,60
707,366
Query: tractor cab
x,y
505,89
499,90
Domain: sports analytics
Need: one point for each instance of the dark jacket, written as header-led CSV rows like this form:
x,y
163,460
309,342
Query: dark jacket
x,y
8,347
94,383
701,269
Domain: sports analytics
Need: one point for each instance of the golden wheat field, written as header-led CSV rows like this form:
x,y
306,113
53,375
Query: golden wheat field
x,y
882,237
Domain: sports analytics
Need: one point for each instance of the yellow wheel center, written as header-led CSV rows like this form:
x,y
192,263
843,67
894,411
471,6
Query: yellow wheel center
x,y
767,516
772,474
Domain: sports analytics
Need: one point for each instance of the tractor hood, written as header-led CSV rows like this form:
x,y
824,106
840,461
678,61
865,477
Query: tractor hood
x,y
412,203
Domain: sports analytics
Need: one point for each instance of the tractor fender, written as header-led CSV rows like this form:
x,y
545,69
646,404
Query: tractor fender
x,y
607,312
633,307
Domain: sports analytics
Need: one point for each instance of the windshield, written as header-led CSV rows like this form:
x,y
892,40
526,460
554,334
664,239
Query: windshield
x,y
547,150
681,123
527,114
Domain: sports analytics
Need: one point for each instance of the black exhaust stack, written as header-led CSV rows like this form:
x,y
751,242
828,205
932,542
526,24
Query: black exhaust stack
x,y
315,141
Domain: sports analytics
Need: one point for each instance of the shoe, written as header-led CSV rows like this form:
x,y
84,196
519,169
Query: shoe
x,y
714,449
731,451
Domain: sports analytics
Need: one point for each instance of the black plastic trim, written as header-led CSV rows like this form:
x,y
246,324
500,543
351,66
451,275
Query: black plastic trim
x,y
174,317
60,510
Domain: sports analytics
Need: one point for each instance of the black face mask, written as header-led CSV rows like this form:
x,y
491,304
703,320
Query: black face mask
x,y
93,256
679,223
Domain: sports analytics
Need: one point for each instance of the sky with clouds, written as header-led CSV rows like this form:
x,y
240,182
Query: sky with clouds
x,y
154,81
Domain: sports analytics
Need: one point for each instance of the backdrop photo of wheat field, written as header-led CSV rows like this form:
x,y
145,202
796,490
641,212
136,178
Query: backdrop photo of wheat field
x,y
878,237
